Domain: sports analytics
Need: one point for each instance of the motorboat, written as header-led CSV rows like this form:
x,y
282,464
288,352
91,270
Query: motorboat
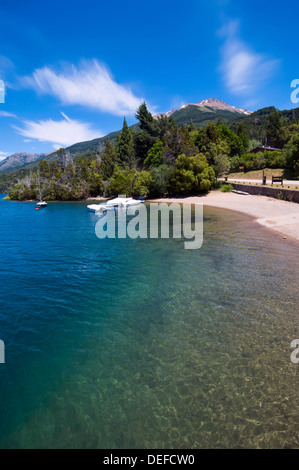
x,y
96,207
123,201
113,204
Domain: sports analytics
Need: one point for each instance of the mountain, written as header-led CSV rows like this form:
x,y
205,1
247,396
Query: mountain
x,y
205,112
256,123
18,160
202,113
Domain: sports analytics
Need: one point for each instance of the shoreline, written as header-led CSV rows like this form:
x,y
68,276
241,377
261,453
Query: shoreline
x,y
280,216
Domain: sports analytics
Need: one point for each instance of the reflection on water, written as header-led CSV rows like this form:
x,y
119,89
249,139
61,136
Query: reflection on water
x,y
142,344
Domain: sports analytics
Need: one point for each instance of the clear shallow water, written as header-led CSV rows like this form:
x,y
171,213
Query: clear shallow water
x,y
142,344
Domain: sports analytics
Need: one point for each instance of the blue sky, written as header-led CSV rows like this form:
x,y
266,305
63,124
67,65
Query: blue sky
x,y
73,70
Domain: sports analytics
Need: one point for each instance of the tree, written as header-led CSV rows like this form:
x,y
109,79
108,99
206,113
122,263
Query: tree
x,y
234,142
191,175
142,183
64,158
146,120
44,170
143,142
125,147
242,134
160,177
108,158
205,136
122,181
154,155
176,142
191,127
292,154
273,129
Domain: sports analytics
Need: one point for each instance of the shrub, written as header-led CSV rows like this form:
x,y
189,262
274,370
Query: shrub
x,y
191,175
227,188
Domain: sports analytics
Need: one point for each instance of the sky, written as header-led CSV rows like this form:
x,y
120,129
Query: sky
x,y
73,70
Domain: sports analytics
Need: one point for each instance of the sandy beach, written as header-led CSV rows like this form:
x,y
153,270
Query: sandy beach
x,y
281,216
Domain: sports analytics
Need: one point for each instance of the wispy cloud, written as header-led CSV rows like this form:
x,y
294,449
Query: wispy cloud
x,y
3,155
91,84
243,69
60,133
6,114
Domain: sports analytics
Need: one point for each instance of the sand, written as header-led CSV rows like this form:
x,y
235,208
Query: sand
x,y
281,216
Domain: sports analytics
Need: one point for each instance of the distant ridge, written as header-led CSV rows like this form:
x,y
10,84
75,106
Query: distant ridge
x,y
18,160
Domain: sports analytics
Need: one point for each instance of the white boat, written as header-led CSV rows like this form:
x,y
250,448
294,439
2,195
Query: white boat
x,y
120,201
96,207
123,201
41,203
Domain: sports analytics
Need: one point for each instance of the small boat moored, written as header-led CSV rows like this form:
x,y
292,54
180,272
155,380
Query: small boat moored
x,y
41,203
120,201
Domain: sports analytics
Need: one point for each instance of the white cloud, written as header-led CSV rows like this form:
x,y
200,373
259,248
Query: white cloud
x,y
60,133
90,84
244,70
3,155
6,114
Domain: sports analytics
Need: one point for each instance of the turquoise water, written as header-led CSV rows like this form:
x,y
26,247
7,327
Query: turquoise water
x,y
140,343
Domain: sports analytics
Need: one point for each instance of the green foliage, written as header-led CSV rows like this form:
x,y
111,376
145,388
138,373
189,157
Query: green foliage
x,y
191,175
146,120
235,143
154,155
273,130
108,159
143,142
243,136
227,188
292,154
275,159
160,177
176,142
142,184
125,147
129,182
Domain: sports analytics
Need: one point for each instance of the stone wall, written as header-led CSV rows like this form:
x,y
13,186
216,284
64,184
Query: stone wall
x,y
278,193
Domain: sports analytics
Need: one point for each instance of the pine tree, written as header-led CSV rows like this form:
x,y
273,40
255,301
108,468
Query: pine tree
x,y
125,147
145,118
108,159
242,134
273,129
191,127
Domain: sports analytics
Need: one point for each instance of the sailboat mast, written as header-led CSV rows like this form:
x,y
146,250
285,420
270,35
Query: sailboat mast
x,y
40,194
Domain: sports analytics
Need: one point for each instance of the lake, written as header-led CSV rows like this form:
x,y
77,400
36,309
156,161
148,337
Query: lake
x,y
140,343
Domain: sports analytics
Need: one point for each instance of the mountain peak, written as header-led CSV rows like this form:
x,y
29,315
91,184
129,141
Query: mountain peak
x,y
211,103
215,104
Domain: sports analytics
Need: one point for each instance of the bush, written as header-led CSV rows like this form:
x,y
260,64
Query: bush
x,y
160,177
191,175
227,188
